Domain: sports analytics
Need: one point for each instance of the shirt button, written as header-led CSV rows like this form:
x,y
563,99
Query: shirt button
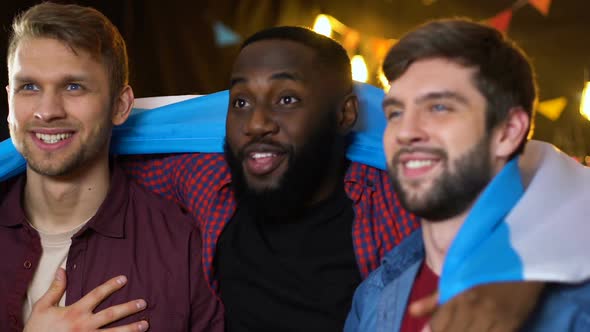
x,y
27,264
13,319
74,266
370,183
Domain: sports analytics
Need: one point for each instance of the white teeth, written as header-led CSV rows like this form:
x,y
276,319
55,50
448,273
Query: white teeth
x,y
258,155
52,138
413,164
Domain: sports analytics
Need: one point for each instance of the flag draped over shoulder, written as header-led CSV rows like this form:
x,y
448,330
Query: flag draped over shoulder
x,y
197,124
512,234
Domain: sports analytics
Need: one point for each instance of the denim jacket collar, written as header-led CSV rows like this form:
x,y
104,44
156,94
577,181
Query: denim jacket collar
x,y
404,255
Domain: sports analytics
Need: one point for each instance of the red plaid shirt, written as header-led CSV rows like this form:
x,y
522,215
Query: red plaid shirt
x,y
200,182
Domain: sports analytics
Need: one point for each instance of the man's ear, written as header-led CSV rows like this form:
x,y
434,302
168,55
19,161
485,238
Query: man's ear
x,y
509,134
123,105
348,113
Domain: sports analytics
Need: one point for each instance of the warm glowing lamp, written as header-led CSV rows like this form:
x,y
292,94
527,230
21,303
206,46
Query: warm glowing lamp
x,y
359,69
322,25
585,101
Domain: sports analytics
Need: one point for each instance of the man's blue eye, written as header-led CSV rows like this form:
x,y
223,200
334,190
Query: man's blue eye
x,y
393,115
73,87
30,87
439,107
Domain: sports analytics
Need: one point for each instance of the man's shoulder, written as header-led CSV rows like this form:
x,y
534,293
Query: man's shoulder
x,y
364,169
8,188
403,256
563,307
5,188
152,171
397,261
172,159
162,210
577,295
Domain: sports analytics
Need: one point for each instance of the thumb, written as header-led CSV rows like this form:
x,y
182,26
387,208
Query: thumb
x,y
55,291
425,306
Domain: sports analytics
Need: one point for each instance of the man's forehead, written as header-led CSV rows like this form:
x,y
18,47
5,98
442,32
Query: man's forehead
x,y
433,74
275,54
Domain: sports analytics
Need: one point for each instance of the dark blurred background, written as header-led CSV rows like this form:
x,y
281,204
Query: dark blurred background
x,y
187,47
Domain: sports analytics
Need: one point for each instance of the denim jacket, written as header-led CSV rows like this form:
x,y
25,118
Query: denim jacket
x,y
380,302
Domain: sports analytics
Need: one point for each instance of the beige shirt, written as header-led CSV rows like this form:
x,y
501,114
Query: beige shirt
x,y
55,253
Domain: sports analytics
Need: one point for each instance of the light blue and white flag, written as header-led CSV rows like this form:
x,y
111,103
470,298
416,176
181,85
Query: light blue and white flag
x,y
512,234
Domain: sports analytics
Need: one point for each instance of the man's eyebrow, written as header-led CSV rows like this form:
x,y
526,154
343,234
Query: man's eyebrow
x,y
22,78
75,78
236,80
67,78
442,95
390,101
279,76
286,76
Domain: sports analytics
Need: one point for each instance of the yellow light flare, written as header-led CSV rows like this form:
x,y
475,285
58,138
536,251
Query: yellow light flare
x,y
585,102
360,73
322,25
384,82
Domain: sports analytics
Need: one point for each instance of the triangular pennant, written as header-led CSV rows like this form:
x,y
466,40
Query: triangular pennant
x,y
552,108
501,21
224,36
541,5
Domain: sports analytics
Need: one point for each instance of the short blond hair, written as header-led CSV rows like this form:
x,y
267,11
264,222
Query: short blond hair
x,y
81,28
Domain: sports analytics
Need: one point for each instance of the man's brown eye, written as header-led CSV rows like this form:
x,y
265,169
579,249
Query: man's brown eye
x,y
288,100
240,103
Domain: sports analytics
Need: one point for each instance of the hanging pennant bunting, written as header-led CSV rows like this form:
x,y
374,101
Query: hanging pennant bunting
x,y
541,5
225,36
552,108
501,21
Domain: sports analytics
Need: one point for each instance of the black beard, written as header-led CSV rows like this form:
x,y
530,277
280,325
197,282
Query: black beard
x,y
453,192
306,171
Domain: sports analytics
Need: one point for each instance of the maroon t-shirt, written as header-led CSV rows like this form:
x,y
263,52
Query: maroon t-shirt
x,y
425,284
134,233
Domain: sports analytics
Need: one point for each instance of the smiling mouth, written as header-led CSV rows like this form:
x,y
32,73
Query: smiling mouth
x,y
417,164
53,138
417,168
260,163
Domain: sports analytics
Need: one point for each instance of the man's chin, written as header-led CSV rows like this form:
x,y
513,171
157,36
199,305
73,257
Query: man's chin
x,y
262,185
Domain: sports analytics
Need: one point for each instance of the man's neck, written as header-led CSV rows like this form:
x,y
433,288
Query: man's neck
x,y
437,237
59,204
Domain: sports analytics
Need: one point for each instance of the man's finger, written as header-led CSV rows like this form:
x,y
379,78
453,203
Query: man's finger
x,y
133,327
117,312
55,291
426,328
97,295
425,306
